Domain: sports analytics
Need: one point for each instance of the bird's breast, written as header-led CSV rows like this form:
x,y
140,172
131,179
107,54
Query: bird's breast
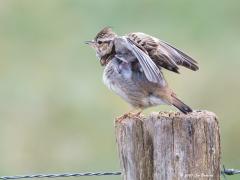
x,y
115,77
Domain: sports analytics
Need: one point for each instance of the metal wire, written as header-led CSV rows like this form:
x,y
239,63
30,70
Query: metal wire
x,y
230,171
61,175
223,172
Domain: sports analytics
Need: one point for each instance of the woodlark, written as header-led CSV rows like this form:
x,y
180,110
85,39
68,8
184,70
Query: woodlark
x,y
132,67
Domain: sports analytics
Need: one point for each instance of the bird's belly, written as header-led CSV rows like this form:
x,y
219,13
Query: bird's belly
x,y
131,89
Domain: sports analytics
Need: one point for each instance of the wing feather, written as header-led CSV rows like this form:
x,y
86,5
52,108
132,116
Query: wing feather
x,y
123,45
150,69
162,53
179,57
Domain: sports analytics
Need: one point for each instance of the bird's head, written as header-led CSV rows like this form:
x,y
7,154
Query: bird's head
x,y
103,42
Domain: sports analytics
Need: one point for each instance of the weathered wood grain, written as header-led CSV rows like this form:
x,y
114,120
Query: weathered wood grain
x,y
169,146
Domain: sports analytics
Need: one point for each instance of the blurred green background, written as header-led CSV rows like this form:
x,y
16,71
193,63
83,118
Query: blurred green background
x,y
55,113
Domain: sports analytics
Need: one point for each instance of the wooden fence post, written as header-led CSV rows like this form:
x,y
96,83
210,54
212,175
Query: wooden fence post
x,y
169,146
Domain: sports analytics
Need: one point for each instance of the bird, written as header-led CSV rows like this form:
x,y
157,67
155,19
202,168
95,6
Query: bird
x,y
133,66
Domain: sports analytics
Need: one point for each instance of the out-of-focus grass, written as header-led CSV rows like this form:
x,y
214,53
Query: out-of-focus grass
x,y
55,113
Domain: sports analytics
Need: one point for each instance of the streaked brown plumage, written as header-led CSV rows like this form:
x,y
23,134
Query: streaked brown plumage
x,y
132,67
163,53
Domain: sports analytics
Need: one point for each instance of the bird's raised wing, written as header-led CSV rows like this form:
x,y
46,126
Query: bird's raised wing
x,y
162,53
128,50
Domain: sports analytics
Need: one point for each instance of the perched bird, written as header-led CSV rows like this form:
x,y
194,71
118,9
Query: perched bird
x,y
132,67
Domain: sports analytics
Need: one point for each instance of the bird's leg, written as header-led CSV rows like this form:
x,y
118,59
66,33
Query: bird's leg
x,y
134,113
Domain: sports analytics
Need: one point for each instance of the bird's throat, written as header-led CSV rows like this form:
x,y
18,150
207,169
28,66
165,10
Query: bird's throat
x,y
105,59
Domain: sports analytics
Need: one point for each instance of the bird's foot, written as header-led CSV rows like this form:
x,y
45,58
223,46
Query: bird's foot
x,y
129,115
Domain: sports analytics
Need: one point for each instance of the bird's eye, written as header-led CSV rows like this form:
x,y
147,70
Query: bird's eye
x,y
99,42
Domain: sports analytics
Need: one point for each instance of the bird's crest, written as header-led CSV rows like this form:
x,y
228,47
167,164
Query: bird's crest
x,y
105,33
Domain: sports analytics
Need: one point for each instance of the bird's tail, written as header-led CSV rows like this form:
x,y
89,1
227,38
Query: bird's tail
x,y
180,105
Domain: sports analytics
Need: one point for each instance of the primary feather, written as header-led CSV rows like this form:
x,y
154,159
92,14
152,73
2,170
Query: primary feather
x,y
163,54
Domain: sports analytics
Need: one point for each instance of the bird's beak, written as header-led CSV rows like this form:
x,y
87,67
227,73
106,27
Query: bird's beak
x,y
89,42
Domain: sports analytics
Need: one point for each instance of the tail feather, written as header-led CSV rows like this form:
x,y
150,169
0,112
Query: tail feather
x,y
180,105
